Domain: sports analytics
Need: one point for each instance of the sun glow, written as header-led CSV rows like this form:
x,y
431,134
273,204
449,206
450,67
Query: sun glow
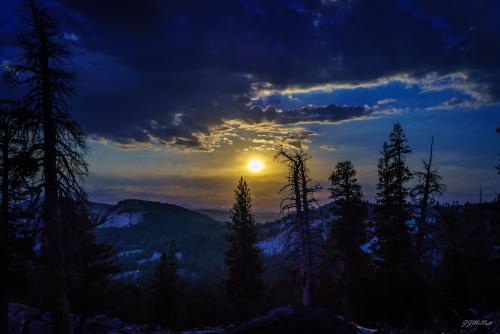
x,y
255,165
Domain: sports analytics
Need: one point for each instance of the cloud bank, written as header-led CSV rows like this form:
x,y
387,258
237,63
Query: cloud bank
x,y
195,75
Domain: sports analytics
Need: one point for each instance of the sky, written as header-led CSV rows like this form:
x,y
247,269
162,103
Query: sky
x,y
176,97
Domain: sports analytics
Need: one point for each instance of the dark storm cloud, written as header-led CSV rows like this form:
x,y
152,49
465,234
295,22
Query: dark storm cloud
x,y
184,131
168,70
311,114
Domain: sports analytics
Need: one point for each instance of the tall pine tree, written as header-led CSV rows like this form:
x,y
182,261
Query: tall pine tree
x,y
93,262
398,149
344,266
394,249
394,244
243,256
165,290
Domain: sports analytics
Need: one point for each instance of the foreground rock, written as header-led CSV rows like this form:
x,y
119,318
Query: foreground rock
x,y
299,320
283,320
289,319
27,320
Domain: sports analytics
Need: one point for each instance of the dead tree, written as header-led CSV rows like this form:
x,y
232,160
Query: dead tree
x,y
428,184
59,146
298,205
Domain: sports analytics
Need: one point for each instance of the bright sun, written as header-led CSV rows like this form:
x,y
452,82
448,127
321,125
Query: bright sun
x,y
255,165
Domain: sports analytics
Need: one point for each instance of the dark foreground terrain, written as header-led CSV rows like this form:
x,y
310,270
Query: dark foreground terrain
x,y
283,320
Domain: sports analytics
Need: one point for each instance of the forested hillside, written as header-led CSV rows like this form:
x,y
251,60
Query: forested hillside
x,y
140,231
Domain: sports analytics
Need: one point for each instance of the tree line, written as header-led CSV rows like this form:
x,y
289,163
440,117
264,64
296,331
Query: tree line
x,y
405,260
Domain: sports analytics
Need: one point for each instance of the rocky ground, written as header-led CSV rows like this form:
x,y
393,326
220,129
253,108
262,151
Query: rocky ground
x,y
284,320
290,320
24,319
298,320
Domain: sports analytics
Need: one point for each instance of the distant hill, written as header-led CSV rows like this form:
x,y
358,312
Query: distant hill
x,y
99,208
141,230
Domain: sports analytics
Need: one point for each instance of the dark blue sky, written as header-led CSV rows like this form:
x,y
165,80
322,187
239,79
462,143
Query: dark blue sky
x,y
178,93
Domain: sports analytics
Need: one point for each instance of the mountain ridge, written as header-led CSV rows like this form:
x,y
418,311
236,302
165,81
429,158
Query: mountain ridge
x,y
219,214
141,230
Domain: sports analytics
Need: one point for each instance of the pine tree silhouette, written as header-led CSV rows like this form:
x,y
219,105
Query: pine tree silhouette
x,y
243,257
93,262
394,249
344,266
165,290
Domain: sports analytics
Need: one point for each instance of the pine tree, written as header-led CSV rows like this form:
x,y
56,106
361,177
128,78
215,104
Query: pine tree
x,y
344,265
165,290
243,256
393,248
394,245
60,144
17,169
345,190
348,206
93,262
398,149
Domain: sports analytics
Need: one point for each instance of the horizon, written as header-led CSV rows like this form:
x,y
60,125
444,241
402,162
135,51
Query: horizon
x,y
188,94
222,209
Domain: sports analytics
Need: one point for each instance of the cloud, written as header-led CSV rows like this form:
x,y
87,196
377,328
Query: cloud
x,y
328,148
455,103
177,119
258,129
430,82
265,89
71,37
312,114
175,74
386,101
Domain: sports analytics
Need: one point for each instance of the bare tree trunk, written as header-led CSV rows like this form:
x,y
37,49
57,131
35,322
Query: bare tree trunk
x,y
55,243
301,222
308,261
300,201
